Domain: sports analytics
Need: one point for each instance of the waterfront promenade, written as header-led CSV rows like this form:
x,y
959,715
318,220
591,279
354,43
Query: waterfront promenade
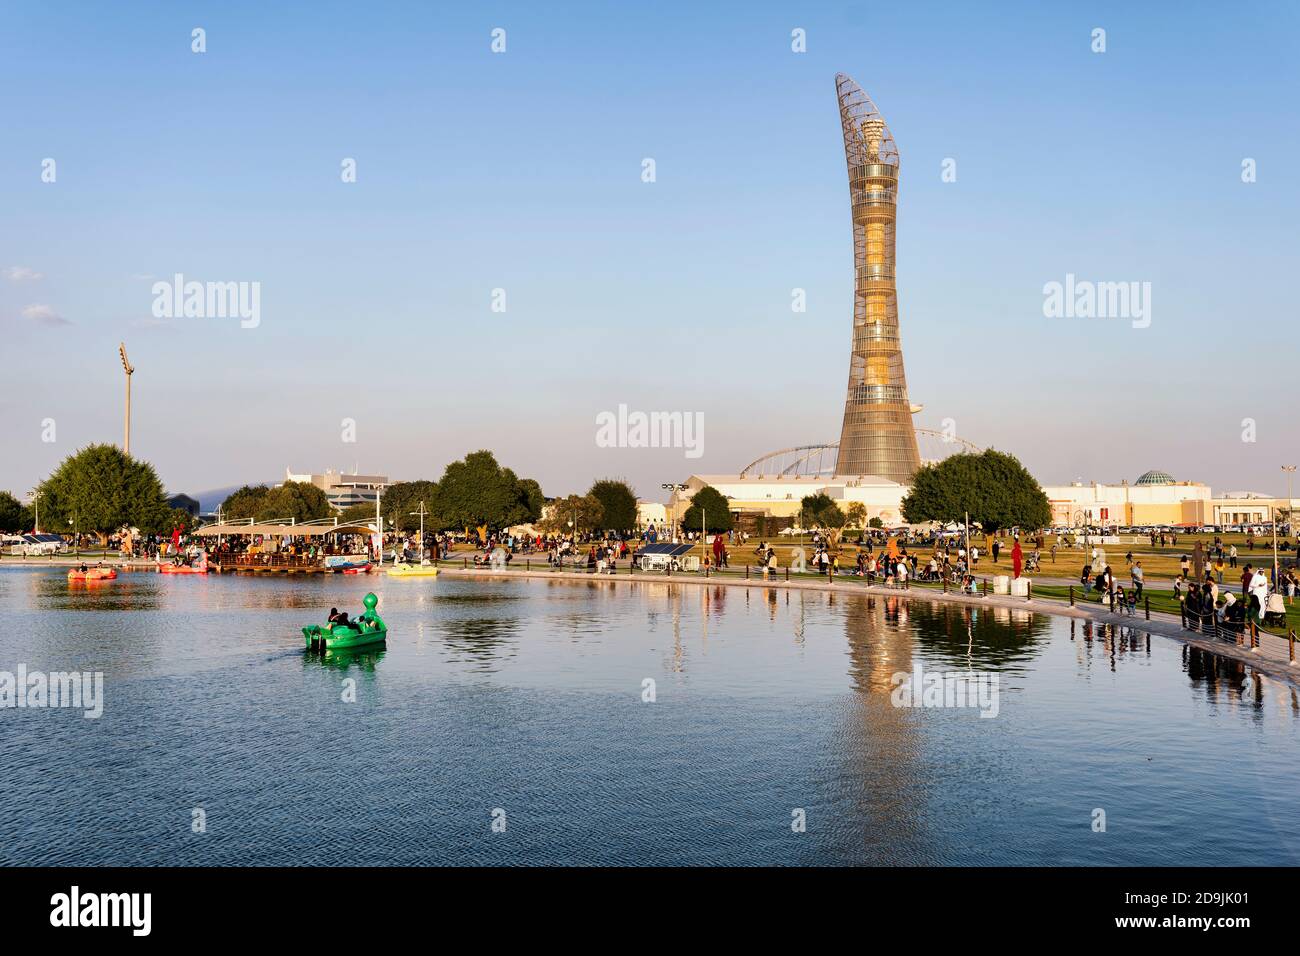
x,y
1271,658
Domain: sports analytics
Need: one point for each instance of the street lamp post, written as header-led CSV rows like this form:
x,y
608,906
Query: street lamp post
x,y
421,513
379,526
1290,505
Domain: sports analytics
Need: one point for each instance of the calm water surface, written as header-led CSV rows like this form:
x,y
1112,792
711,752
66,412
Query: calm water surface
x,y
527,696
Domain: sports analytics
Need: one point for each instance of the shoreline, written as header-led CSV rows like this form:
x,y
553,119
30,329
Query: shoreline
x,y
1267,661
1271,659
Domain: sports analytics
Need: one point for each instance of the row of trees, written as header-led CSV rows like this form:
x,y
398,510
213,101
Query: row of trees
x,y
14,515
474,492
610,504
993,488
96,490
100,489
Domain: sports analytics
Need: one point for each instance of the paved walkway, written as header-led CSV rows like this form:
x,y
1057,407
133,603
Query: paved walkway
x,y
1270,659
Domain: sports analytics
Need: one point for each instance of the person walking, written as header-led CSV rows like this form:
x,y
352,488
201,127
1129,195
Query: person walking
x,y
1259,592
1139,578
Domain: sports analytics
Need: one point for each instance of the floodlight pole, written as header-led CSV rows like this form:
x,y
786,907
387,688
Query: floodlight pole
x,y
126,367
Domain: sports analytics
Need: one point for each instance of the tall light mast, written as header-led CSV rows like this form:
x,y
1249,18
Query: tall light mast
x,y
128,368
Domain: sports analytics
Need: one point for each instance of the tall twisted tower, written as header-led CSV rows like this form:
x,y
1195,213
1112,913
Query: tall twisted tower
x,y
878,437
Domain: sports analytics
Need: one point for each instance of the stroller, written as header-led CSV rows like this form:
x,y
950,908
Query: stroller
x,y
1275,612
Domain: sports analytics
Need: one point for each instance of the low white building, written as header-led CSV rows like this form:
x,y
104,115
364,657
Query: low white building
x,y
781,497
343,490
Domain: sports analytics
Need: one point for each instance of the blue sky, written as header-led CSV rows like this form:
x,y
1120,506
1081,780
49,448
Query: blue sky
x,y
522,171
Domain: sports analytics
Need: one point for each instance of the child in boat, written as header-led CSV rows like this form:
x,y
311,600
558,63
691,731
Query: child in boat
x,y
338,617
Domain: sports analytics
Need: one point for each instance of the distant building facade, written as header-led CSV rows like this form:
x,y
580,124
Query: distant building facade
x,y
1156,498
651,514
185,503
344,491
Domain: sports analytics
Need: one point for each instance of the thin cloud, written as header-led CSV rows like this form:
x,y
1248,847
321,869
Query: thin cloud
x,y
38,312
22,274
152,323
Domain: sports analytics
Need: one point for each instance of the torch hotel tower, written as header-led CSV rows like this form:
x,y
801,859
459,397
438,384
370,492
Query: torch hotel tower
x,y
878,437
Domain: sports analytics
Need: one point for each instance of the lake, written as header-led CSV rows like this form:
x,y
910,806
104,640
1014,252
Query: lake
x,y
514,721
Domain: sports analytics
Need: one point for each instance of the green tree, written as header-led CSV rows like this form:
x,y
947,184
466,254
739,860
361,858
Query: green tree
x,y
709,505
11,513
400,505
875,523
993,487
856,515
357,514
584,511
619,503
180,518
99,489
244,503
295,501
478,491
531,500
821,511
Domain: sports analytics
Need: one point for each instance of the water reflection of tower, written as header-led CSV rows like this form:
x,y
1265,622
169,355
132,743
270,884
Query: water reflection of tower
x,y
879,745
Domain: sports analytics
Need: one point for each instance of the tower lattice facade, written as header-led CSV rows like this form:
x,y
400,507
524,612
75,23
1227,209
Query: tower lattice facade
x,y
878,437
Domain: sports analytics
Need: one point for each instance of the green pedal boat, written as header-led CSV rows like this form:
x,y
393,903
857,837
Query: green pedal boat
x,y
368,629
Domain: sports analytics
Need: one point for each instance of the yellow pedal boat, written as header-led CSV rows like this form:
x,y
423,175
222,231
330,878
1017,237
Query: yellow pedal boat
x,y
413,571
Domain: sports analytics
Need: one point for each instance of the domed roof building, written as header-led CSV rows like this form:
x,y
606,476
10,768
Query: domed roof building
x,y
1156,477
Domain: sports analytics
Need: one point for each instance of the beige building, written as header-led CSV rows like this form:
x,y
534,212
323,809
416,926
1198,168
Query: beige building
x,y
1154,499
780,497
651,514
1157,499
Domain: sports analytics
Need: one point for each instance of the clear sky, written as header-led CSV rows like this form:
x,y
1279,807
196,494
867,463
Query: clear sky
x,y
523,171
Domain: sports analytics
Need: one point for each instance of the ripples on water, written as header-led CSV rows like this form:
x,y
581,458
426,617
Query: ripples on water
x,y
526,696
